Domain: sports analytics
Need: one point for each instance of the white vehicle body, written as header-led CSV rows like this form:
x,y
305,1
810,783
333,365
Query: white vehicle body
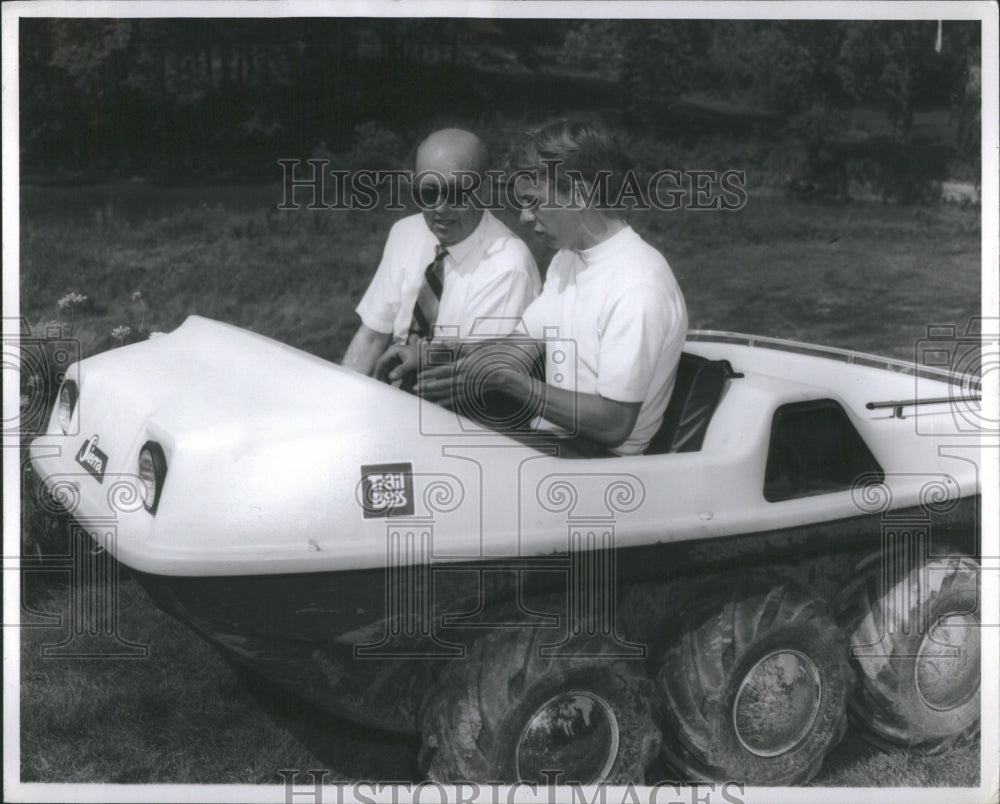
x,y
304,513
264,446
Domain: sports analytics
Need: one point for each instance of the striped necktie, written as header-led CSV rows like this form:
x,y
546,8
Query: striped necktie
x,y
426,309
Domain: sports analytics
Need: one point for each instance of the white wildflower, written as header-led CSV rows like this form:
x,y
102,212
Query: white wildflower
x,y
71,300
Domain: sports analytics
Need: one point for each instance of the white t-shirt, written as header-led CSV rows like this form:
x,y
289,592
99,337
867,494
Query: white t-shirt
x,y
489,279
618,307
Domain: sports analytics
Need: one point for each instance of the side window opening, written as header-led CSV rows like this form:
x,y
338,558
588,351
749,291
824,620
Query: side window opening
x,y
815,449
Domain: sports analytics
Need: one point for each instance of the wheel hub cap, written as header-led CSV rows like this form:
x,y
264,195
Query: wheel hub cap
x,y
575,733
777,703
948,662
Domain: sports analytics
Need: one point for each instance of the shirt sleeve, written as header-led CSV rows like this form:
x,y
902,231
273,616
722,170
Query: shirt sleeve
x,y
380,304
636,329
533,318
495,307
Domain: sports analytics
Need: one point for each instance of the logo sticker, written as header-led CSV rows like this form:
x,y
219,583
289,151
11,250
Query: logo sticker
x,y
92,459
387,489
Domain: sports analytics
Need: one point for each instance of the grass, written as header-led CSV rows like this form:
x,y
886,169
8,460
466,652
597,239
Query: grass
x,y
288,275
861,276
181,716
855,763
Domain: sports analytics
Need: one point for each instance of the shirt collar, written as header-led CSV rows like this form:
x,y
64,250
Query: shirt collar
x,y
461,250
594,254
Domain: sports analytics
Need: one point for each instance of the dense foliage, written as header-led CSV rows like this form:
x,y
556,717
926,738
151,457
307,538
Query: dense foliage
x,y
235,95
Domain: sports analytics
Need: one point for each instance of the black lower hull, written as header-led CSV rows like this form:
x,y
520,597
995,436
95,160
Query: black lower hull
x,y
365,644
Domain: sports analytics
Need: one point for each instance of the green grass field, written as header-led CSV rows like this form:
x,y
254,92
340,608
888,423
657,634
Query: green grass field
x,y
863,276
860,276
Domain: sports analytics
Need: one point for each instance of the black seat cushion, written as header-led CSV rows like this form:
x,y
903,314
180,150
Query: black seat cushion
x,y
697,391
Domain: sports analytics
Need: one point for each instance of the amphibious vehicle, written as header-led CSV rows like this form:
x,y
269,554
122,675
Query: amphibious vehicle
x,y
798,545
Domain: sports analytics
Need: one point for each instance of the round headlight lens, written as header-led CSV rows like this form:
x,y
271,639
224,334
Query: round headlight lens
x,y
152,471
67,404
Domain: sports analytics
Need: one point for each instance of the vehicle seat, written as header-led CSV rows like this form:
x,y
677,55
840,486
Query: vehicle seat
x,y
697,391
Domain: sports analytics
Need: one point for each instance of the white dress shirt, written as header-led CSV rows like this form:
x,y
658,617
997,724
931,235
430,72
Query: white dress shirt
x,y
489,280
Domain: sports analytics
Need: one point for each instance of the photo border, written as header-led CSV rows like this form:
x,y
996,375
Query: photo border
x,y
14,790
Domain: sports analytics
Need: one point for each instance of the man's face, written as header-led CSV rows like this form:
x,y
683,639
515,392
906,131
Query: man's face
x,y
557,224
452,216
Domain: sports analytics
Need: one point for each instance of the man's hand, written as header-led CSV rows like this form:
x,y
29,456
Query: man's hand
x,y
464,384
397,363
455,384
486,370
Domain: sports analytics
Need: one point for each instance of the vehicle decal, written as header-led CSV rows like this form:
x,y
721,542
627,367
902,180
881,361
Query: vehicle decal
x,y
92,459
387,489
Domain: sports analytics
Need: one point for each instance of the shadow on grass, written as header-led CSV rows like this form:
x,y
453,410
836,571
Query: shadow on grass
x,y
356,752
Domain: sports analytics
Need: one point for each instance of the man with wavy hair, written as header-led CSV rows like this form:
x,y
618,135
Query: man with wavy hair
x,y
606,290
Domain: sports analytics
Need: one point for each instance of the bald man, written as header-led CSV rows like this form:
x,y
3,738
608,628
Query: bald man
x,y
483,274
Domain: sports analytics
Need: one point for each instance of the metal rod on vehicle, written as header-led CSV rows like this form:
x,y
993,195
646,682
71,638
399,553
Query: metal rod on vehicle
x,y
898,404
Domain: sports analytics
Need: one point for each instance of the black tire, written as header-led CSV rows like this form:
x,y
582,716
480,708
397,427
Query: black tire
x,y
474,718
715,728
903,701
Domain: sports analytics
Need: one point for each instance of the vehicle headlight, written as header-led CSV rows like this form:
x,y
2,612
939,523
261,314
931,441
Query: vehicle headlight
x,y
68,394
152,471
